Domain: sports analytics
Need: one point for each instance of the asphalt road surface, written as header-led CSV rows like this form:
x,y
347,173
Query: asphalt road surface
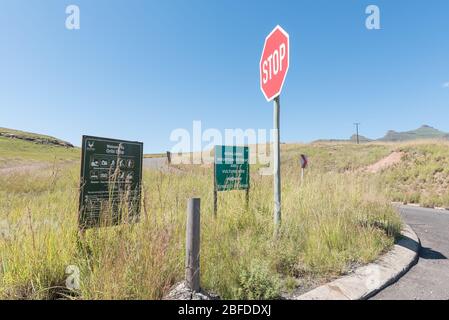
x,y
155,163
429,278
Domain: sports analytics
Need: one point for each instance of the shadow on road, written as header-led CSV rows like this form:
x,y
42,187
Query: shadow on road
x,y
408,243
429,254
424,252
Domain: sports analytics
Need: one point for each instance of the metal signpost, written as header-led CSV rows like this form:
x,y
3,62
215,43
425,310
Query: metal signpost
x,y
274,64
111,177
231,170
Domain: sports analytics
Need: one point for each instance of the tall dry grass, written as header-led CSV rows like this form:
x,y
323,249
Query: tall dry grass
x,y
330,223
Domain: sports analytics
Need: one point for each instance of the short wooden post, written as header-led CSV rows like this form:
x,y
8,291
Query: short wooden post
x,y
193,244
168,158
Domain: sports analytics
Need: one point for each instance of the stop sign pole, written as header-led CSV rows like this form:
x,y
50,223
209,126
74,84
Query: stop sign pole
x,y
274,64
277,162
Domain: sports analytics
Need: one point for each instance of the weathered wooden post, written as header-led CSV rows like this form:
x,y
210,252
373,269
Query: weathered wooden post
x,y
193,244
168,158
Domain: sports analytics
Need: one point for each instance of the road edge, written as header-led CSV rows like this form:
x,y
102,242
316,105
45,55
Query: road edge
x,y
418,205
368,280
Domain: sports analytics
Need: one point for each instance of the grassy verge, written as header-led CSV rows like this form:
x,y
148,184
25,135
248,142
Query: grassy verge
x,y
422,176
19,152
330,223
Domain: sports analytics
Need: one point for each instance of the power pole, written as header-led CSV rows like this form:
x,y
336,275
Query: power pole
x,y
357,131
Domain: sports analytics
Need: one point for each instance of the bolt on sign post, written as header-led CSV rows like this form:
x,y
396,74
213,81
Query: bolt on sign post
x,y
274,64
110,184
303,161
231,170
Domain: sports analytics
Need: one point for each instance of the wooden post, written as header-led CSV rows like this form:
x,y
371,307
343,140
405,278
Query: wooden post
x,y
193,244
168,158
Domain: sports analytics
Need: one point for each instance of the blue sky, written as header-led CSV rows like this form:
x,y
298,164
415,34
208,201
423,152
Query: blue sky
x,y
139,69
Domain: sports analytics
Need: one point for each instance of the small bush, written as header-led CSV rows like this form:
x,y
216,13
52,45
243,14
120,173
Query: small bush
x,y
258,282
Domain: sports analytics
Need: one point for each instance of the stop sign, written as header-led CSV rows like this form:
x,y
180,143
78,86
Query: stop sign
x,y
274,63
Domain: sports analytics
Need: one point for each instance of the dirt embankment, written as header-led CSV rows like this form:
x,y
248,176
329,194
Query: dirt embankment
x,y
392,159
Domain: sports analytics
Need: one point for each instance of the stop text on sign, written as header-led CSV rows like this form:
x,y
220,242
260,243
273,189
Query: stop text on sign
x,y
274,63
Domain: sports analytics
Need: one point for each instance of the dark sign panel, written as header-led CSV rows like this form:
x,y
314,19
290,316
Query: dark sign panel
x,y
111,176
231,168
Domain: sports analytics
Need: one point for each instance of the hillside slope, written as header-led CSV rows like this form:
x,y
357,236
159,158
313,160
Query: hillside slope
x,y
18,148
422,176
33,137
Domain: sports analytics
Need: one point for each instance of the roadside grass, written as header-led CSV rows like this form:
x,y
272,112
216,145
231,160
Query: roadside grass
x,y
337,157
422,176
333,221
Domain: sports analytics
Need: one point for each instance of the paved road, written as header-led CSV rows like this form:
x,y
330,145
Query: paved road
x,y
429,278
155,163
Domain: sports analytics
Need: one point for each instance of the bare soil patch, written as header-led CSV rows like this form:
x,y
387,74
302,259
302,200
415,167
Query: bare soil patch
x,y
392,159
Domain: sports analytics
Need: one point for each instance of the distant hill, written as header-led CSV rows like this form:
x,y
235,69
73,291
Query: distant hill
x,y
33,137
423,132
361,138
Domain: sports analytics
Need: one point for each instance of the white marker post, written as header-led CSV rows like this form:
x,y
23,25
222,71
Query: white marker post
x,y
274,64
303,163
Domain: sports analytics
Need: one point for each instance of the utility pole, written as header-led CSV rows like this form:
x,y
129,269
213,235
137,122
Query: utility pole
x,y
357,131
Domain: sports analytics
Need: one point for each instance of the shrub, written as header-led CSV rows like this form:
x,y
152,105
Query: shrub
x,y
258,282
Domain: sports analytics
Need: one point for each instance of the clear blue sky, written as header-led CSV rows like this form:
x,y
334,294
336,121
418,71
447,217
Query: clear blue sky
x,y
139,69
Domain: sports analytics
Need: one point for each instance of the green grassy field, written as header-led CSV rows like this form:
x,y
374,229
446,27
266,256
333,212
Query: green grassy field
x,y
336,220
17,152
339,218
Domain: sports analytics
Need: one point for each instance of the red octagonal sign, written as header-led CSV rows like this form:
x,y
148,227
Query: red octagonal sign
x,y
274,63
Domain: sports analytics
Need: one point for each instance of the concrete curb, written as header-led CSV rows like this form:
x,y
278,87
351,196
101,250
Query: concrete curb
x,y
368,280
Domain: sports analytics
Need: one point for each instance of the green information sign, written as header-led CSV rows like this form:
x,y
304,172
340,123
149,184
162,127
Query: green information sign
x,y
231,168
111,176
